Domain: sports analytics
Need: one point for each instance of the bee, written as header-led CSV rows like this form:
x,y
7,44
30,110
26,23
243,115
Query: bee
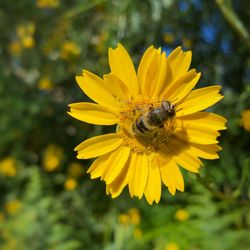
x,y
154,118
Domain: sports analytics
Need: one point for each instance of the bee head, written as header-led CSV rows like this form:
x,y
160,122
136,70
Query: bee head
x,y
168,107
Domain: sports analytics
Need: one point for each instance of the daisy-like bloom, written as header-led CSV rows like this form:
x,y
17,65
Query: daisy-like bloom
x,y
141,155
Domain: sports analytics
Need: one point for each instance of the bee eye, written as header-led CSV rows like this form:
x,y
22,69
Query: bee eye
x,y
166,105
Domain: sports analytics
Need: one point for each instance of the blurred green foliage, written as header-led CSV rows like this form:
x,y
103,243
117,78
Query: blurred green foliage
x,y
46,202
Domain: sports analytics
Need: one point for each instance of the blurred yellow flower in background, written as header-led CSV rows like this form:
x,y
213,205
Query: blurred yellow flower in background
x,y
134,215
168,37
70,184
147,150
8,167
245,119
25,33
28,42
15,48
24,40
75,170
13,206
186,42
69,49
172,246
123,219
45,83
52,157
24,30
181,214
137,233
47,3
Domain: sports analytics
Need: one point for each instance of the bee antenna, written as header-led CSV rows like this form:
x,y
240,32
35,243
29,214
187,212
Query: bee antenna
x,y
175,99
179,109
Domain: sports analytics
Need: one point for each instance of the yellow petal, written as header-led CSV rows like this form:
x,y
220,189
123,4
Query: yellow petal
x,y
132,172
160,78
152,72
203,119
109,166
115,188
116,164
93,113
199,99
198,136
180,88
179,62
98,145
172,177
122,66
205,151
187,161
183,156
146,70
153,187
189,131
163,157
117,88
99,166
94,87
138,175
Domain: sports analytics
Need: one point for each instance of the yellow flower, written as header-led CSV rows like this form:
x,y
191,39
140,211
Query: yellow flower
x,y
70,184
160,126
69,50
137,233
24,30
45,84
25,34
134,215
245,119
123,219
13,206
52,158
8,167
28,42
168,37
75,170
187,43
15,48
47,3
172,246
181,214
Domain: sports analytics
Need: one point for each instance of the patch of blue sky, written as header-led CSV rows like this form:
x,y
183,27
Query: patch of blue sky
x,y
209,33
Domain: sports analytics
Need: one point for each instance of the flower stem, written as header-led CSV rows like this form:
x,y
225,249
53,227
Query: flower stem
x,y
217,194
82,7
244,175
233,19
226,197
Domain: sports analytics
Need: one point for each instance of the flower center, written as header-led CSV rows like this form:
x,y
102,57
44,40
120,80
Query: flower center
x,y
141,132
